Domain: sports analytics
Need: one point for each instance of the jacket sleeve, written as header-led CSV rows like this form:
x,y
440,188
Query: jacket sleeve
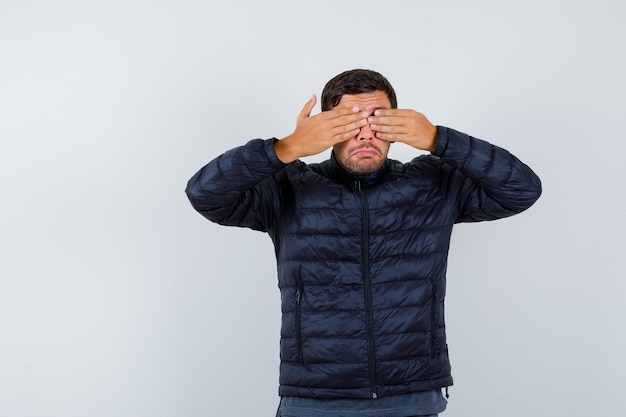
x,y
485,181
239,187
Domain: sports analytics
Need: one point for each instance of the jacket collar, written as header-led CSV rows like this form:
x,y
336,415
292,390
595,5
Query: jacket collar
x,y
353,180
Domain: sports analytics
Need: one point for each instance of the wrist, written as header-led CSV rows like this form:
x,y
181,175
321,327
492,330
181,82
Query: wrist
x,y
442,141
285,150
434,139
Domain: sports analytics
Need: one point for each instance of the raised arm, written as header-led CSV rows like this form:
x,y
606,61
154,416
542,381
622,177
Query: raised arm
x,y
315,134
486,182
240,187
243,186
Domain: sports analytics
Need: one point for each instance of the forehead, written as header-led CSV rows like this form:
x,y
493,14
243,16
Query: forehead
x,y
365,101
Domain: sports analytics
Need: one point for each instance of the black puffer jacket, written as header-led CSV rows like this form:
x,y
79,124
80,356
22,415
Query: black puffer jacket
x,y
362,260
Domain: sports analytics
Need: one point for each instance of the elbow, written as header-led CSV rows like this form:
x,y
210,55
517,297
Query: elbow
x,y
535,189
202,200
193,193
531,193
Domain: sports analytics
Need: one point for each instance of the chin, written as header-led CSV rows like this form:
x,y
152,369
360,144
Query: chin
x,y
365,167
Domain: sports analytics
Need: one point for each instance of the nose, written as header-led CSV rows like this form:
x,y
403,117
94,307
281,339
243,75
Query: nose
x,y
366,132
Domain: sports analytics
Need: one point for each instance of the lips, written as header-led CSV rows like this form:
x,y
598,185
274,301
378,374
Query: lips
x,y
366,151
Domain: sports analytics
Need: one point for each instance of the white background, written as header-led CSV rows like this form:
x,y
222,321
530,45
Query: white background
x,y
117,299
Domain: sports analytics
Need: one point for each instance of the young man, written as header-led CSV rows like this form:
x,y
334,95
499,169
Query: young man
x,y
361,243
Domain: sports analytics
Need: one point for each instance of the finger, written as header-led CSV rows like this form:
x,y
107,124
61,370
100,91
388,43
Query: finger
x,y
389,137
308,107
349,129
347,135
376,122
390,128
392,112
345,132
393,116
347,120
388,117
345,115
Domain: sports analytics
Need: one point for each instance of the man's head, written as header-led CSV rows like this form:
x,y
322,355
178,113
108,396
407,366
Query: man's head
x,y
353,82
367,90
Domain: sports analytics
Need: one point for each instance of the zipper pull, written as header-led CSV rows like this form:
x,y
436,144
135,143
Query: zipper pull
x,y
298,296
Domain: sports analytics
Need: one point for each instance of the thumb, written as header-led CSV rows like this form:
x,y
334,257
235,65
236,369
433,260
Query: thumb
x,y
308,107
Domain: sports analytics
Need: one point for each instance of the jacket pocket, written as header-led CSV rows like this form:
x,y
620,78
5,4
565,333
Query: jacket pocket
x,y
298,324
434,320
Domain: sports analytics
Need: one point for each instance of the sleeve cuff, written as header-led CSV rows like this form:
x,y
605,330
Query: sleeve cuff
x,y
271,153
442,141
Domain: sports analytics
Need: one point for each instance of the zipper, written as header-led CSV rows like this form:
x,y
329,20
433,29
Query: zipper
x,y
367,288
433,320
298,319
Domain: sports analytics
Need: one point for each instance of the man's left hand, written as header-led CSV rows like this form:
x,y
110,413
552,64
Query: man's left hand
x,y
406,126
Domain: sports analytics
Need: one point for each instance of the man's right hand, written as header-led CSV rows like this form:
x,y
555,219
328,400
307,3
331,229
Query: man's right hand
x,y
315,134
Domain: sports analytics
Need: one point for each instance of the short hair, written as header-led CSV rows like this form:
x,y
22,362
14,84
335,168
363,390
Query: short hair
x,y
356,81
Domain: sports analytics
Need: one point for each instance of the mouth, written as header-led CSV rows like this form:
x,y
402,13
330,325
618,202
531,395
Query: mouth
x,y
366,152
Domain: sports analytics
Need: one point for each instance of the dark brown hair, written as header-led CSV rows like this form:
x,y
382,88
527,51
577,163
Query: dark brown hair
x,y
356,81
